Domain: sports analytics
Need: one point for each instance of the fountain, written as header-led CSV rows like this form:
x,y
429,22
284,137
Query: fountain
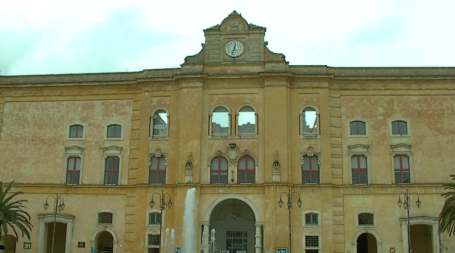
x,y
188,222
166,243
172,248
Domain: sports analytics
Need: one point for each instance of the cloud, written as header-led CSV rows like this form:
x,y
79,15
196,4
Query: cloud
x,y
56,36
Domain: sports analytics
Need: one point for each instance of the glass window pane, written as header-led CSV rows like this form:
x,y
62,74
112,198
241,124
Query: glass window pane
x,y
403,127
78,164
354,164
406,178
154,165
110,131
80,130
363,162
116,163
398,178
107,178
69,178
306,163
395,129
223,164
310,121
241,177
162,177
109,164
250,163
115,178
405,162
73,131
306,177
355,177
223,177
76,178
315,177
242,163
250,178
215,164
214,177
353,127
152,178
361,128
314,163
118,131
161,163
363,177
396,162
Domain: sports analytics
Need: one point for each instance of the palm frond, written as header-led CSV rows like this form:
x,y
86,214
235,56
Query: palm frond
x,y
447,216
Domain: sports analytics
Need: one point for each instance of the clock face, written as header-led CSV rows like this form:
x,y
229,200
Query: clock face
x,y
234,48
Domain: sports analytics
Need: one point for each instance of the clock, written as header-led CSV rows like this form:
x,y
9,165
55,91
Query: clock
x,y
234,48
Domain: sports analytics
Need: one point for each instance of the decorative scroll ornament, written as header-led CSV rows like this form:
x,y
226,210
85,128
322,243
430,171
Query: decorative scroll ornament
x,y
276,162
232,152
310,152
189,164
157,153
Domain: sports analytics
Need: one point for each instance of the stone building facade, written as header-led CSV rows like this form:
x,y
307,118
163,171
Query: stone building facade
x,y
246,130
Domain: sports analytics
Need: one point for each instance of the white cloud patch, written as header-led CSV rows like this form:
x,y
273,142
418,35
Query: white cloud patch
x,y
56,36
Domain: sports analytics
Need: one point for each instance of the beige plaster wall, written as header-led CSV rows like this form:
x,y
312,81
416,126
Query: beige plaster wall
x,y
34,137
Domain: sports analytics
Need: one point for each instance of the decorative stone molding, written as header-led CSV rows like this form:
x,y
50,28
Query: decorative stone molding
x,y
358,149
310,152
276,177
402,148
232,152
189,168
157,153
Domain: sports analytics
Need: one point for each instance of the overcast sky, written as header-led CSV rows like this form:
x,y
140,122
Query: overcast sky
x,y
56,37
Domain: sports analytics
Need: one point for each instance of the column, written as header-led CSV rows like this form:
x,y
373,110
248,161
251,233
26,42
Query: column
x,y
258,236
42,233
435,235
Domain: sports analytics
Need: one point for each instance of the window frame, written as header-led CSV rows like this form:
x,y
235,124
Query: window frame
x,y
318,123
408,127
246,135
310,153
402,149
160,155
113,138
73,151
247,156
112,152
367,134
359,212
68,131
219,171
152,114
151,246
147,218
311,212
305,247
359,150
105,224
220,136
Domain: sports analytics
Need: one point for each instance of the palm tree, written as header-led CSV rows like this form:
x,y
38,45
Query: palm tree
x,y
447,215
12,214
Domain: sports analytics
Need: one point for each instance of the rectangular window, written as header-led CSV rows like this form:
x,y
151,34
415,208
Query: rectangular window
x,y
366,219
401,168
358,128
76,131
157,171
111,171
153,243
114,131
359,169
73,170
399,127
310,170
311,241
311,219
154,218
105,218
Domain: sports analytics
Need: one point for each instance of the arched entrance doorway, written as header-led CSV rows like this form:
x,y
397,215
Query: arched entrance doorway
x,y
104,240
234,223
424,234
366,243
421,239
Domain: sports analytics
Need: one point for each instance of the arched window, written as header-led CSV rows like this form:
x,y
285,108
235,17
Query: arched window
x,y
399,127
357,128
114,131
160,124
220,121
246,170
73,170
157,171
309,123
310,170
246,121
76,131
219,170
359,169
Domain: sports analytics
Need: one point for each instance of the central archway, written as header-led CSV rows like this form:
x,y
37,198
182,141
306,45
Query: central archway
x,y
237,223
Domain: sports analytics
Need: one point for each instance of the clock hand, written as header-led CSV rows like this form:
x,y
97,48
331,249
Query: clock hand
x,y
233,49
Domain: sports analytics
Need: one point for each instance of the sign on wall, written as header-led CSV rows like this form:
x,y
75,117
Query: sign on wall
x,y
281,250
81,244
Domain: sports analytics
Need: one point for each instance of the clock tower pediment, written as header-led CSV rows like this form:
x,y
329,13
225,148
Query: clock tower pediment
x,y
233,42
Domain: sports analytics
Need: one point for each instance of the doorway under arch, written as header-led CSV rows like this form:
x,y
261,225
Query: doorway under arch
x,y
421,239
8,244
366,241
234,222
104,240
